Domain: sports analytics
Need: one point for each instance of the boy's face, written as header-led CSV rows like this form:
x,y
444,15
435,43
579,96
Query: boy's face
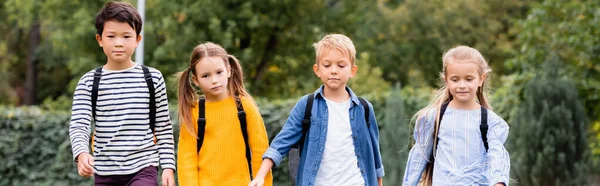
x,y
334,69
118,41
211,75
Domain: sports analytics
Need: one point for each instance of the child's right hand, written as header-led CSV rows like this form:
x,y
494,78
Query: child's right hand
x,y
85,163
258,181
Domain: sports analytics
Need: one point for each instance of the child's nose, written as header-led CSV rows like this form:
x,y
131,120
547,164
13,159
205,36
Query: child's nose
x,y
118,43
334,70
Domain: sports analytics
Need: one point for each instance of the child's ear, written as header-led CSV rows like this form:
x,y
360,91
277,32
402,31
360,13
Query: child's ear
x,y
483,76
228,71
139,38
354,69
99,39
195,80
316,69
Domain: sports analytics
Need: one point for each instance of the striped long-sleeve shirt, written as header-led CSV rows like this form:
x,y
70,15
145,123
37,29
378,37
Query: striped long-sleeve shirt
x,y
461,158
123,140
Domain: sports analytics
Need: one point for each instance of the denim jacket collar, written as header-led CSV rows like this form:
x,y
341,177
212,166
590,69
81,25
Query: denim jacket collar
x,y
319,94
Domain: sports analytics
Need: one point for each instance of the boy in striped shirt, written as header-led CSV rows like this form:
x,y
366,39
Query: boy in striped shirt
x,y
128,102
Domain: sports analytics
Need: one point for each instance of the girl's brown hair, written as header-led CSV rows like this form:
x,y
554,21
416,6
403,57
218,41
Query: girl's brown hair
x,y
187,94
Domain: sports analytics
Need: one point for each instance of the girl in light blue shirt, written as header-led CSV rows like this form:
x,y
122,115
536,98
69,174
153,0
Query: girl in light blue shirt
x,y
459,140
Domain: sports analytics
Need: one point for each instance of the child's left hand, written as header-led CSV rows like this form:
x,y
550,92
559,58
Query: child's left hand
x,y
168,177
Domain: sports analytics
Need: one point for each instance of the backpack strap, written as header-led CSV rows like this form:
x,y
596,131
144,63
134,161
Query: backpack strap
x,y
242,117
201,124
306,122
152,92
365,105
367,111
95,85
243,125
484,127
442,111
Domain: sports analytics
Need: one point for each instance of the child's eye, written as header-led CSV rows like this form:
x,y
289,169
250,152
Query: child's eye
x,y
341,66
127,36
204,76
326,65
110,36
219,72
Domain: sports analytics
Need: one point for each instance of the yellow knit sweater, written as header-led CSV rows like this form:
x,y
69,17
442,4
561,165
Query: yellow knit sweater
x,y
222,158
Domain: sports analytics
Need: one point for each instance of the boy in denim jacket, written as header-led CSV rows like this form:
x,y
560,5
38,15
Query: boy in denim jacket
x,y
340,147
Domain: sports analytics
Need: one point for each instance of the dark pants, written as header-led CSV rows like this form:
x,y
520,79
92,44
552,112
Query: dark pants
x,y
145,177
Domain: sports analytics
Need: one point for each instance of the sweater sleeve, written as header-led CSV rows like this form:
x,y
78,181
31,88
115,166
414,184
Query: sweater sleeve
x,y
187,157
81,116
164,129
258,139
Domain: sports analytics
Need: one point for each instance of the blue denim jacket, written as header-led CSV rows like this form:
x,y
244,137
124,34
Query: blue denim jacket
x,y
366,146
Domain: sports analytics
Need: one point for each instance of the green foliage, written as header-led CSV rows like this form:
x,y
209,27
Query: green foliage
x,y
570,30
549,129
275,114
394,137
35,148
413,35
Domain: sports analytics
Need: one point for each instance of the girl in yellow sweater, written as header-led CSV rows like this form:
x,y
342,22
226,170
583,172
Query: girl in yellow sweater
x,y
225,146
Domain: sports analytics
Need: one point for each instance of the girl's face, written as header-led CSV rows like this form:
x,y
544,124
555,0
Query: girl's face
x,y
212,77
463,79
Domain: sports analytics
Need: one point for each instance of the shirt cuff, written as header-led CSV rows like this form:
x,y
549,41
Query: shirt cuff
x,y
168,166
273,155
499,180
380,172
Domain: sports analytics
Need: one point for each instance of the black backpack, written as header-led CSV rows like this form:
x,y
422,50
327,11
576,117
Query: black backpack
x,y
241,116
296,150
147,77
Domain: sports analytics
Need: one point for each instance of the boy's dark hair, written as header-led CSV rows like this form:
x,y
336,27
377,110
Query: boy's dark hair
x,y
120,12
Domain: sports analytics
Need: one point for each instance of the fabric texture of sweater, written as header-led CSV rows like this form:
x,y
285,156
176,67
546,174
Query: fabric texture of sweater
x,y
222,158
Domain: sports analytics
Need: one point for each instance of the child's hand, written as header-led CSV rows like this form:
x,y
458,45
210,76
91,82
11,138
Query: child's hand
x,y
85,164
168,177
258,181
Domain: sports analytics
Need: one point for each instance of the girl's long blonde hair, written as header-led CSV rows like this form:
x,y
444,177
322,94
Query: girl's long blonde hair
x,y
459,54
187,94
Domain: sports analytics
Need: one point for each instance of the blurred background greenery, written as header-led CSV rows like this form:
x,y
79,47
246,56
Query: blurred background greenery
x,y
545,56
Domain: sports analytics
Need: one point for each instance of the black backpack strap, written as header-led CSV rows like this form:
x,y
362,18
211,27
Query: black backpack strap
x,y
365,105
201,124
306,121
442,111
367,111
152,92
242,117
484,127
95,85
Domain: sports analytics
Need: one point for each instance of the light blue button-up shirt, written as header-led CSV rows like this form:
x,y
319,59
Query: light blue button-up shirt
x,y
460,158
366,140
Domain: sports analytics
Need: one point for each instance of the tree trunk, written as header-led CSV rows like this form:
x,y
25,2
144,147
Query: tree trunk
x,y
31,75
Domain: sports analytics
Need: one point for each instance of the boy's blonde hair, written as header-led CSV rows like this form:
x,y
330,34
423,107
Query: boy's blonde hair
x,y
335,41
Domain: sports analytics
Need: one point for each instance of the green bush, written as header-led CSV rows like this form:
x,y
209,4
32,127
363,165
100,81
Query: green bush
x,y
549,129
35,148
